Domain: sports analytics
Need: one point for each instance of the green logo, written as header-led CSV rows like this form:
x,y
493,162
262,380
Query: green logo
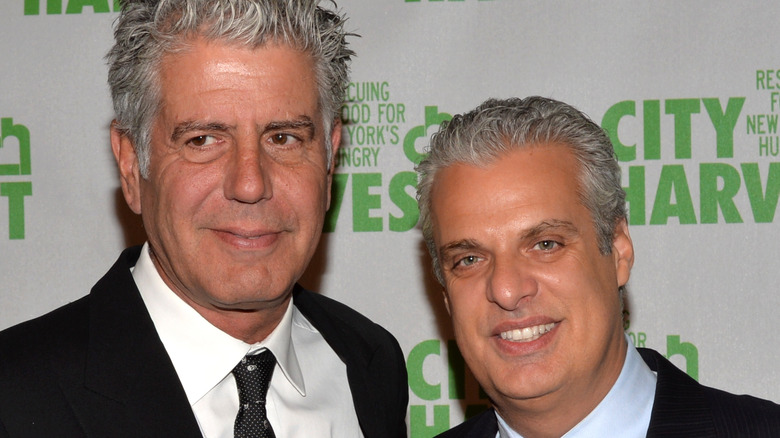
x,y
372,130
719,181
15,191
432,118
423,363
56,7
674,347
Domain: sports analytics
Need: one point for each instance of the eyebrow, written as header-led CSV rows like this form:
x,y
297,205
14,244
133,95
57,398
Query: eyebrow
x,y
302,122
458,245
532,233
550,225
192,125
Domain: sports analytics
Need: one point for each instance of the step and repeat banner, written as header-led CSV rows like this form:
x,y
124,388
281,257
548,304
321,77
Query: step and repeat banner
x,y
688,91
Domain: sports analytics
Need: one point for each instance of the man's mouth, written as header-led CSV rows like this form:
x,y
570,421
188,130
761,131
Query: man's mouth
x,y
246,238
527,334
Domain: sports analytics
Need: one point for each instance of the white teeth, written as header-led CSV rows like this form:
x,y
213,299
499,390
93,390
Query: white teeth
x,y
527,334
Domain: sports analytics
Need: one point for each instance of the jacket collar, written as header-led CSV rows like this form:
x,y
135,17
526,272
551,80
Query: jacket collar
x,y
680,408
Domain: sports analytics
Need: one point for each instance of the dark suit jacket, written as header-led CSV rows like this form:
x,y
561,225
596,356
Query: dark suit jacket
x,y
682,408
96,367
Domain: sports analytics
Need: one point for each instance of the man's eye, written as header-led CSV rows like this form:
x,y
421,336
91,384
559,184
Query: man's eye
x,y
467,261
202,140
547,245
282,139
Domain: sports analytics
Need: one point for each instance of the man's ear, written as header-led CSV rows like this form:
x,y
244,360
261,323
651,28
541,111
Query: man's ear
x,y
622,252
129,172
446,300
335,143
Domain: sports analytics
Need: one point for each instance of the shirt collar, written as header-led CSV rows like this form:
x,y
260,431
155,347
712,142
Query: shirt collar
x,y
202,354
627,406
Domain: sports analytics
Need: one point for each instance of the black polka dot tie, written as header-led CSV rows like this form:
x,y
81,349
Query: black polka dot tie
x,y
253,375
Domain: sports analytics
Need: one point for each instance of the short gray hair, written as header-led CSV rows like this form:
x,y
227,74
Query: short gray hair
x,y
495,127
146,30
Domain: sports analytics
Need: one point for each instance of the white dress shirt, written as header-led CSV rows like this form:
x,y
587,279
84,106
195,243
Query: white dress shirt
x,y
624,412
309,394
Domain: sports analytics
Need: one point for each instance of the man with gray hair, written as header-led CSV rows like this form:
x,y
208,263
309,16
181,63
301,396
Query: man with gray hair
x,y
225,135
524,215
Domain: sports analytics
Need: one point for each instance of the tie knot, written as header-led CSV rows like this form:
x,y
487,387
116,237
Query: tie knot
x,y
255,371
264,359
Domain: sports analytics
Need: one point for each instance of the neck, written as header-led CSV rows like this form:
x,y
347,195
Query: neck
x,y
251,325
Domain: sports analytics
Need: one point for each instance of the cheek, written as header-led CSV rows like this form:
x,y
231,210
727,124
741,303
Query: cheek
x,y
473,346
180,197
468,309
605,286
579,278
178,194
307,195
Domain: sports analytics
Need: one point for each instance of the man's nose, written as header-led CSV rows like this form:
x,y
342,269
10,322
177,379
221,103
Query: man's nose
x,y
248,176
511,283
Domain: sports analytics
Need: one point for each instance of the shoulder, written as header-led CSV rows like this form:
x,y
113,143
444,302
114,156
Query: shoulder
x,y
62,333
483,425
739,414
743,412
63,328
36,357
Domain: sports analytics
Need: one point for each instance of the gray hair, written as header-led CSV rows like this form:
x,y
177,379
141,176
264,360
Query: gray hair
x,y
495,127
146,30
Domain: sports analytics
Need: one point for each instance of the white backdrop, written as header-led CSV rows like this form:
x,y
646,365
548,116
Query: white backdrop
x,y
690,90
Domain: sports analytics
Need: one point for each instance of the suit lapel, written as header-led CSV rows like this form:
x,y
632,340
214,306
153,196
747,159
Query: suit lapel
x,y
485,426
127,364
680,408
356,355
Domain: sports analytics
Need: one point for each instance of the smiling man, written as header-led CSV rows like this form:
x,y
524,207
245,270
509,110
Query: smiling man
x,y
524,215
225,132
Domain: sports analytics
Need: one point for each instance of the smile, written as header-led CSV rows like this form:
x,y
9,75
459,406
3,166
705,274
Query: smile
x,y
248,240
527,334
242,236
